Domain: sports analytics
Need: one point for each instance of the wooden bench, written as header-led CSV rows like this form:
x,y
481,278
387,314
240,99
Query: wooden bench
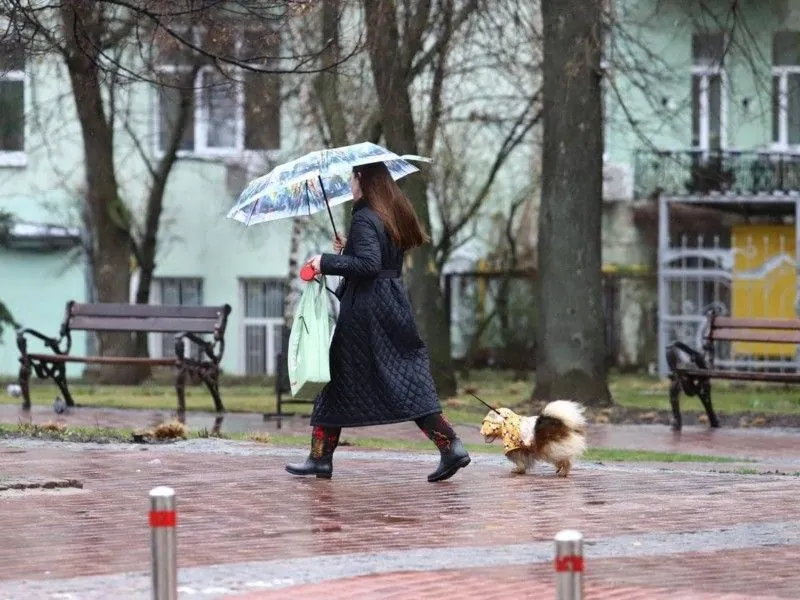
x,y
694,377
186,322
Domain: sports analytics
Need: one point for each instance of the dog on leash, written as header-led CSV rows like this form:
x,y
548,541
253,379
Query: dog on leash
x,y
556,436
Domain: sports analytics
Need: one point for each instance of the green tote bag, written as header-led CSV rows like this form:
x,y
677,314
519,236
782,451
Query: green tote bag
x,y
310,341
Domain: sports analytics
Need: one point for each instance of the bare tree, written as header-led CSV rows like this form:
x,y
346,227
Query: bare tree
x,y
107,45
431,56
6,222
391,61
570,344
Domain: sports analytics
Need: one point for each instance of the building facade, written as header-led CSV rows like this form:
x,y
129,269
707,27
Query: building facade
x,y
706,117
236,131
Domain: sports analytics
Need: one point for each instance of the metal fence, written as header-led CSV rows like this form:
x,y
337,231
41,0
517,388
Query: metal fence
x,y
493,317
701,172
750,273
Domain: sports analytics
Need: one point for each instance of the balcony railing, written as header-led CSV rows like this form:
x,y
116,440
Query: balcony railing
x,y
698,173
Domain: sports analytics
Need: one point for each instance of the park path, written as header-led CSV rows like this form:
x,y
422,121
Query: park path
x,y
247,530
775,448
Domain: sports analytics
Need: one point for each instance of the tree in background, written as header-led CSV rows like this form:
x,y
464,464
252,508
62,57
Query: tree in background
x,y
6,319
405,88
570,335
107,47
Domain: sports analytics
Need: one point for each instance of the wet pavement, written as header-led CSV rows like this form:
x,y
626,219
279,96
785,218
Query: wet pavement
x,y
379,530
780,448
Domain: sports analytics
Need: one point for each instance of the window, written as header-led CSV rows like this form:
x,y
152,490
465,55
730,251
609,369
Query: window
x,y
786,88
263,301
175,292
708,91
12,104
231,110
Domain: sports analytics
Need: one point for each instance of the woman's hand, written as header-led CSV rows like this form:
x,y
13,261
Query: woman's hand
x,y
339,243
315,261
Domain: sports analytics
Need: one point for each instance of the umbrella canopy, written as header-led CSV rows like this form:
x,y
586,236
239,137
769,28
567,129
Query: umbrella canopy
x,y
313,183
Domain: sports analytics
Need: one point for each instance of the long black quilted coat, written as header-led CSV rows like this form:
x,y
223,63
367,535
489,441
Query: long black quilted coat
x,y
380,368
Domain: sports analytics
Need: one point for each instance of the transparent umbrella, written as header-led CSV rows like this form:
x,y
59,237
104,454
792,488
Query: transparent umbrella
x,y
313,183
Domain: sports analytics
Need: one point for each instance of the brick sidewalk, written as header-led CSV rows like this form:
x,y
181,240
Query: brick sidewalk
x,y
237,508
482,584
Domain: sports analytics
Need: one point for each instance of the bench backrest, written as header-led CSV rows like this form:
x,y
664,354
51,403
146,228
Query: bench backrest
x,y
149,318
733,329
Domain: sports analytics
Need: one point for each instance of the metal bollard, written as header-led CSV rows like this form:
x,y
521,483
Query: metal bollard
x,y
569,565
163,543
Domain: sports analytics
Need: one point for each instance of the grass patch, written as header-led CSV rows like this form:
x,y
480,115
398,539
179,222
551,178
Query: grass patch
x,y
62,433
751,471
728,397
172,432
594,454
496,387
615,455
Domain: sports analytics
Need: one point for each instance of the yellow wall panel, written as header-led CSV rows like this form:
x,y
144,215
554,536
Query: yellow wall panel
x,y
764,280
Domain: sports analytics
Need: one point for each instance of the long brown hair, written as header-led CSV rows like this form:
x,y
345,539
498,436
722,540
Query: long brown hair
x,y
394,208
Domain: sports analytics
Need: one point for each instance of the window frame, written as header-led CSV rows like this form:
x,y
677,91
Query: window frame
x,y
17,158
155,341
273,340
705,72
782,72
201,149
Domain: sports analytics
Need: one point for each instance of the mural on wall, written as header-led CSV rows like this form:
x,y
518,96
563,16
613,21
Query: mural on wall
x,y
764,280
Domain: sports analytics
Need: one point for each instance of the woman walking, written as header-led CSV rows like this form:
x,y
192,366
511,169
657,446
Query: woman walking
x,y
380,368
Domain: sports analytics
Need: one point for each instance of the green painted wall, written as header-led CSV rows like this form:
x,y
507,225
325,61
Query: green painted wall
x,y
649,96
36,287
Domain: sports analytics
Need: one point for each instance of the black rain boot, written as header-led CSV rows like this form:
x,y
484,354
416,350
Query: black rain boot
x,y
320,461
453,454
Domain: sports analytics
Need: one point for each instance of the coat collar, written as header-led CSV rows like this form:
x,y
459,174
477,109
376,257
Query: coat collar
x,y
359,204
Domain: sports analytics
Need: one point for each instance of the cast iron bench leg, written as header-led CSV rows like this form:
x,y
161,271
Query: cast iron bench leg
x,y
211,379
60,377
705,398
180,390
674,400
25,382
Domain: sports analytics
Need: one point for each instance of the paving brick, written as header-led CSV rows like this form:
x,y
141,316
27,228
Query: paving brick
x,y
234,509
488,584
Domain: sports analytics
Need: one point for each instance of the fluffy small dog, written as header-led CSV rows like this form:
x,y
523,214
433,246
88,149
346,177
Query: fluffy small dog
x,y
556,436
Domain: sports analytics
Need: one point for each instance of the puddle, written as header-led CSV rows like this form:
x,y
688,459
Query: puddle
x,y
28,492
398,519
11,487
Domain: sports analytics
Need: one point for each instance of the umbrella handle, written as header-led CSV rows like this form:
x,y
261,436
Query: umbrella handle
x,y
327,205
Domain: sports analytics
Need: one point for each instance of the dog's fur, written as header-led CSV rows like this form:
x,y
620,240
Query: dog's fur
x,y
556,436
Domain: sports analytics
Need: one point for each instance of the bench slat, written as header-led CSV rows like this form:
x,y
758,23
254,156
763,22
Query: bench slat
x,y
744,323
742,375
147,324
756,335
109,309
106,360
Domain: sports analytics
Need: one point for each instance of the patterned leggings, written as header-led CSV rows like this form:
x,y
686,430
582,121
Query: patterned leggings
x,y
324,440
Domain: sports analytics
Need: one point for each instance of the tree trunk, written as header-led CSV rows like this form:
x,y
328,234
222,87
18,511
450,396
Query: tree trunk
x,y
398,127
326,85
147,248
109,217
570,337
293,285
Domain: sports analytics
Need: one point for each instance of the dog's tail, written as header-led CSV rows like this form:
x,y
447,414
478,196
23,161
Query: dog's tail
x,y
568,412
560,431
